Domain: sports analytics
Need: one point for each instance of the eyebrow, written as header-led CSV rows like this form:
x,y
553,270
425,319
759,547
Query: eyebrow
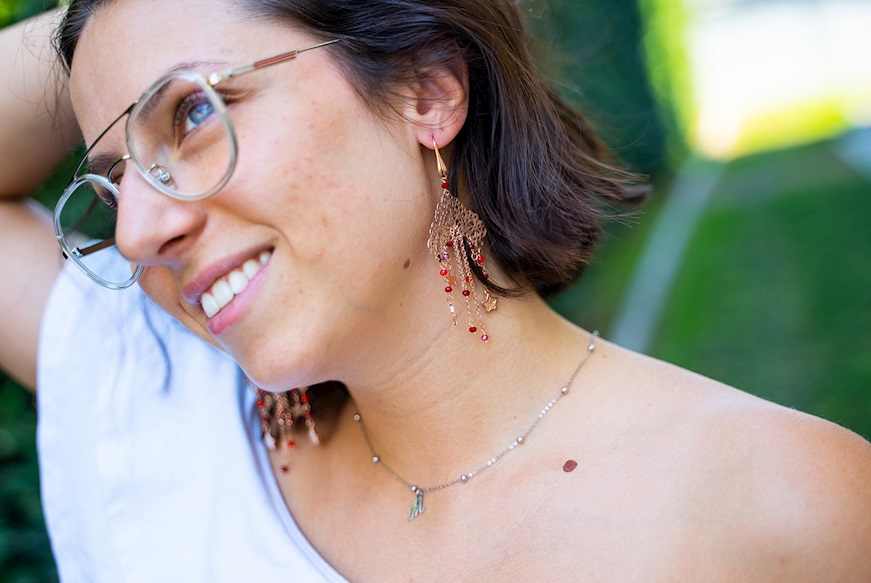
x,y
151,105
100,164
192,65
154,101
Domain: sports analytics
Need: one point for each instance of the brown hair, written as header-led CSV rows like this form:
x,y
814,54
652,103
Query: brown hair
x,y
534,171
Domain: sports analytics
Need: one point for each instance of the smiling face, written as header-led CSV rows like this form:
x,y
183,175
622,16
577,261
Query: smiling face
x,y
314,254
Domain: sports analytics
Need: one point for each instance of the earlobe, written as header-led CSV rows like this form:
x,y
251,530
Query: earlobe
x,y
439,103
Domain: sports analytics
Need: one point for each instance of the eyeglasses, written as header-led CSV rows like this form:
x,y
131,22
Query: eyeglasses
x,y
180,140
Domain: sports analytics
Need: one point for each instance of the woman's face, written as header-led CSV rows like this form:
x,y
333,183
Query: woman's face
x,y
334,199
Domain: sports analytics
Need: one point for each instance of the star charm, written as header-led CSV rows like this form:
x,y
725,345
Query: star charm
x,y
452,281
489,304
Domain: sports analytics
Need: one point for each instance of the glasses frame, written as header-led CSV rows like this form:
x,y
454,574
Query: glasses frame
x,y
208,84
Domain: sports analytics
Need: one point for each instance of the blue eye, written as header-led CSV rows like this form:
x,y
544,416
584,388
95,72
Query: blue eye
x,y
197,115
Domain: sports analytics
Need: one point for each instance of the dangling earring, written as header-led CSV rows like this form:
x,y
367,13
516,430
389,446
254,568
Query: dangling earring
x,y
455,237
302,408
277,412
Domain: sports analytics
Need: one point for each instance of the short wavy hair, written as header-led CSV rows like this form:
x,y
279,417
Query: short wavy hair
x,y
531,166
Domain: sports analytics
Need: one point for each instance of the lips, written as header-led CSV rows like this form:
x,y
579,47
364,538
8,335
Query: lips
x,y
228,286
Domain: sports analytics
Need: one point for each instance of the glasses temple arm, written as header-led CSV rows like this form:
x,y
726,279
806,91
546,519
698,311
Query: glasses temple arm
x,y
216,78
83,252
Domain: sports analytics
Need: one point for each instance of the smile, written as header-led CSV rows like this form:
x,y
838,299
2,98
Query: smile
x,y
229,286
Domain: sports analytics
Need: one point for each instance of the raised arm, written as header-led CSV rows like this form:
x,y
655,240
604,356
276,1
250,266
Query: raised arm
x,y
37,130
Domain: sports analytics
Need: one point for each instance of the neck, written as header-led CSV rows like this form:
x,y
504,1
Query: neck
x,y
455,402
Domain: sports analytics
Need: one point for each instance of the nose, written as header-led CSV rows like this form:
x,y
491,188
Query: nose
x,y
153,228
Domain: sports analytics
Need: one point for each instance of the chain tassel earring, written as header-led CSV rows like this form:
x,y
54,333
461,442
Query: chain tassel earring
x,y
455,237
277,412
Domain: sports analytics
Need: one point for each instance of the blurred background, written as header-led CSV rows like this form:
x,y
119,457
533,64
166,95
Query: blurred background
x,y
752,121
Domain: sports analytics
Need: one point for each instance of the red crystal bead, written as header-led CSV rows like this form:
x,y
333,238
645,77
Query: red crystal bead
x,y
291,443
283,469
260,404
445,185
472,329
265,419
449,244
468,278
449,289
443,272
486,276
304,399
480,260
466,292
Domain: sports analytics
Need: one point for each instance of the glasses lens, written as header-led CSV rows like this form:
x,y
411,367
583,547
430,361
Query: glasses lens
x,y
85,224
180,137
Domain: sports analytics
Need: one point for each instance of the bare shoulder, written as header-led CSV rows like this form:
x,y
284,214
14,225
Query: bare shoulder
x,y
791,492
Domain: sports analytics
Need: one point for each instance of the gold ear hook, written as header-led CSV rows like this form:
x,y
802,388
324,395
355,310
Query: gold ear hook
x,y
443,170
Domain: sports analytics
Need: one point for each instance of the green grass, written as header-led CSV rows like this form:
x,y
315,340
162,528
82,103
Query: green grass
x,y
774,293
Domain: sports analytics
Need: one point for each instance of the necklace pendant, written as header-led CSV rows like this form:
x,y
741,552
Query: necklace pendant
x,y
417,506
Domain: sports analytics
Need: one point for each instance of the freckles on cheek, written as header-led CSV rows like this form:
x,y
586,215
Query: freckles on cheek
x,y
331,129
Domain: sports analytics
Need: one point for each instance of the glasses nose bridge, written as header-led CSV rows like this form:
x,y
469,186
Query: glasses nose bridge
x,y
134,184
156,171
153,228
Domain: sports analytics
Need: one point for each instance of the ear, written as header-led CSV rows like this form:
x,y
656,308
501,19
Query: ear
x,y
439,103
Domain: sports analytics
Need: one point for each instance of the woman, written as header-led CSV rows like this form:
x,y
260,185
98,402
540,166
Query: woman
x,y
322,190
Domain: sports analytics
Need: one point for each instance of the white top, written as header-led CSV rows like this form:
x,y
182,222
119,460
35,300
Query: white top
x,y
151,461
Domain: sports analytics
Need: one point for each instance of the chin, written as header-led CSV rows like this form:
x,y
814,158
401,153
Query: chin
x,y
279,372
272,381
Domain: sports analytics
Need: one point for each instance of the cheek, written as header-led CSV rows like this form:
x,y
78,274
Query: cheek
x,y
319,180
158,284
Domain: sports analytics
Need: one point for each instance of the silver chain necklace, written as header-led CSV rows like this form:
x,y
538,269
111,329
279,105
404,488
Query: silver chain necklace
x,y
417,507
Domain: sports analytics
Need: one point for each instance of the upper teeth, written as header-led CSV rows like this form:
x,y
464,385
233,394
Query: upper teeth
x,y
225,289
